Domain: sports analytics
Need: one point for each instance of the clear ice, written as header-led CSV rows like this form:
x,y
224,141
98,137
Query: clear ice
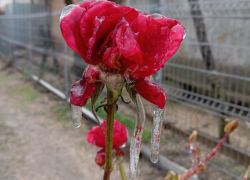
x,y
156,133
135,144
66,11
184,34
76,115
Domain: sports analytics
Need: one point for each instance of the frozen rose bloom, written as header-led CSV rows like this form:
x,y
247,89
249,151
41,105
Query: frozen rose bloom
x,y
119,40
96,137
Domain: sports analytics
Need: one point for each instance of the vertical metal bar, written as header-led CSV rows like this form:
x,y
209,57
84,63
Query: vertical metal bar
x,y
128,3
66,80
158,77
30,44
13,31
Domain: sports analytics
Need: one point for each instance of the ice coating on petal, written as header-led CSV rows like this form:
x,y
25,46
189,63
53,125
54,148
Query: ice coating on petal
x,y
81,91
157,16
76,115
151,91
66,11
128,46
135,144
159,38
84,1
156,133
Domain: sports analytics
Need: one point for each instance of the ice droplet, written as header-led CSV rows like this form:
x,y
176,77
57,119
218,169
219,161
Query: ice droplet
x,y
135,144
84,1
124,145
76,115
184,33
66,11
156,133
157,16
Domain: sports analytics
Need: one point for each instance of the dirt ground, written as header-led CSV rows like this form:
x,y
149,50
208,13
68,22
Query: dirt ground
x,y
38,141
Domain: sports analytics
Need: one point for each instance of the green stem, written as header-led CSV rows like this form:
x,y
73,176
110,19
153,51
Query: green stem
x,y
112,97
122,171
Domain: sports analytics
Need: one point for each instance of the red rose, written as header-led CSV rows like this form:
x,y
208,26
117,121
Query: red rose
x,y
117,39
96,137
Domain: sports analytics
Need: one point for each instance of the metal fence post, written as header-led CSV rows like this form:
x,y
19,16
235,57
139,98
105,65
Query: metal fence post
x,y
30,44
128,3
158,77
66,80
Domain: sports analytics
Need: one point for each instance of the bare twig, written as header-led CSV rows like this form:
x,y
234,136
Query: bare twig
x,y
247,175
198,164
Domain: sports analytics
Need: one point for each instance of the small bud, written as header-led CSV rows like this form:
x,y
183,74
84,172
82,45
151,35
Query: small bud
x,y
201,168
199,152
230,127
192,137
172,176
198,160
227,120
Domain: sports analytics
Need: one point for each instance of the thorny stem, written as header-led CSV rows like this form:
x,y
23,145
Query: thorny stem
x,y
109,142
113,96
195,157
122,171
203,163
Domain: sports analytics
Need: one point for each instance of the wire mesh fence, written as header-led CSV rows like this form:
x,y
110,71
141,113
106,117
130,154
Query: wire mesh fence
x,y
206,81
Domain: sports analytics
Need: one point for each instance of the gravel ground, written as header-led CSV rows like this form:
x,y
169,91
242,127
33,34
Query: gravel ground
x,y
38,143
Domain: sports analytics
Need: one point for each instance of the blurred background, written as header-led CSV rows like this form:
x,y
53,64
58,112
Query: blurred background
x,y
207,81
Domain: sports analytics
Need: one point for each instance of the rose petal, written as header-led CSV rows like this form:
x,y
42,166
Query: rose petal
x,y
96,25
158,39
151,91
96,137
111,57
120,134
128,46
118,152
91,74
100,158
70,27
82,90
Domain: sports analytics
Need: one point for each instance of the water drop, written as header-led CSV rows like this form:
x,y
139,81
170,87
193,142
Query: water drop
x,y
184,33
66,11
135,144
156,133
156,57
124,145
163,30
76,115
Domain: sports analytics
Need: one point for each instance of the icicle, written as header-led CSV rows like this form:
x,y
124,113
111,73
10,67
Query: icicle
x,y
184,33
135,145
156,133
76,115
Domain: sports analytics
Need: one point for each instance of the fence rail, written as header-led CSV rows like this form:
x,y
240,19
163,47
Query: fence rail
x,y
198,97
